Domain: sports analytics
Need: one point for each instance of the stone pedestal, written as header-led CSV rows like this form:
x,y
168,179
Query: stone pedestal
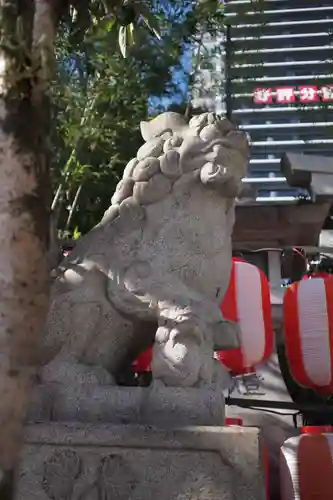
x,y
162,406
130,462
102,443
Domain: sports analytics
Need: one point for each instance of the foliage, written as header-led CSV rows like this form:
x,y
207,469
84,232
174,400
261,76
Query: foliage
x,y
99,98
98,102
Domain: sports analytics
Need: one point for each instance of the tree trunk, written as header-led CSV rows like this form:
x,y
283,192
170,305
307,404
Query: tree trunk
x,y
27,34
26,51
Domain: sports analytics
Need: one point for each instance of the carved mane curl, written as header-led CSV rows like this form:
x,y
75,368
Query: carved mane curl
x,y
206,147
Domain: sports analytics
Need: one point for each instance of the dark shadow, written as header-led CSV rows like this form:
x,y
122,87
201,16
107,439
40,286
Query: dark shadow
x,y
301,395
7,487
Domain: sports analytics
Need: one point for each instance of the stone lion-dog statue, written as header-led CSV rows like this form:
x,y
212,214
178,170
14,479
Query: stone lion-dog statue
x,y
156,267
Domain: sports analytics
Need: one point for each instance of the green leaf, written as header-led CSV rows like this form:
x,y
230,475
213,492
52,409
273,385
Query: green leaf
x,y
95,71
107,24
122,40
150,20
76,233
131,32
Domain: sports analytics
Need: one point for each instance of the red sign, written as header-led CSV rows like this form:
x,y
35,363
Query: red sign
x,y
327,93
263,96
308,94
284,95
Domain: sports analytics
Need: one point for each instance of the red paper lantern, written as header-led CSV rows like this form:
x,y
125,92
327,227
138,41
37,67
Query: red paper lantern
x,y
308,331
143,361
320,274
247,302
306,466
231,421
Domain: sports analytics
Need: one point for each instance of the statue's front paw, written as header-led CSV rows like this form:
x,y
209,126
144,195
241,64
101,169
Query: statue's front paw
x,y
176,363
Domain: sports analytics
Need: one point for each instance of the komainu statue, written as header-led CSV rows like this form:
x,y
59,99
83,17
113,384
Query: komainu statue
x,y
154,270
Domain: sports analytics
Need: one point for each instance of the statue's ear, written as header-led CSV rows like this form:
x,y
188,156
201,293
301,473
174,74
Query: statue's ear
x,y
166,121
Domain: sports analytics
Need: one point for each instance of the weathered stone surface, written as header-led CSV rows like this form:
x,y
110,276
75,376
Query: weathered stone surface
x,y
154,147
165,122
161,267
152,191
209,133
161,406
131,214
91,462
145,169
170,165
110,214
123,191
128,170
173,142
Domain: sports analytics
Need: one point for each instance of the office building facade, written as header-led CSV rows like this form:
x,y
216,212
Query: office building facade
x,y
279,87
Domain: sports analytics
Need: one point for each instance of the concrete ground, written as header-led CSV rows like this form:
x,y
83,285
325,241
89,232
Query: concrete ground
x,y
276,428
